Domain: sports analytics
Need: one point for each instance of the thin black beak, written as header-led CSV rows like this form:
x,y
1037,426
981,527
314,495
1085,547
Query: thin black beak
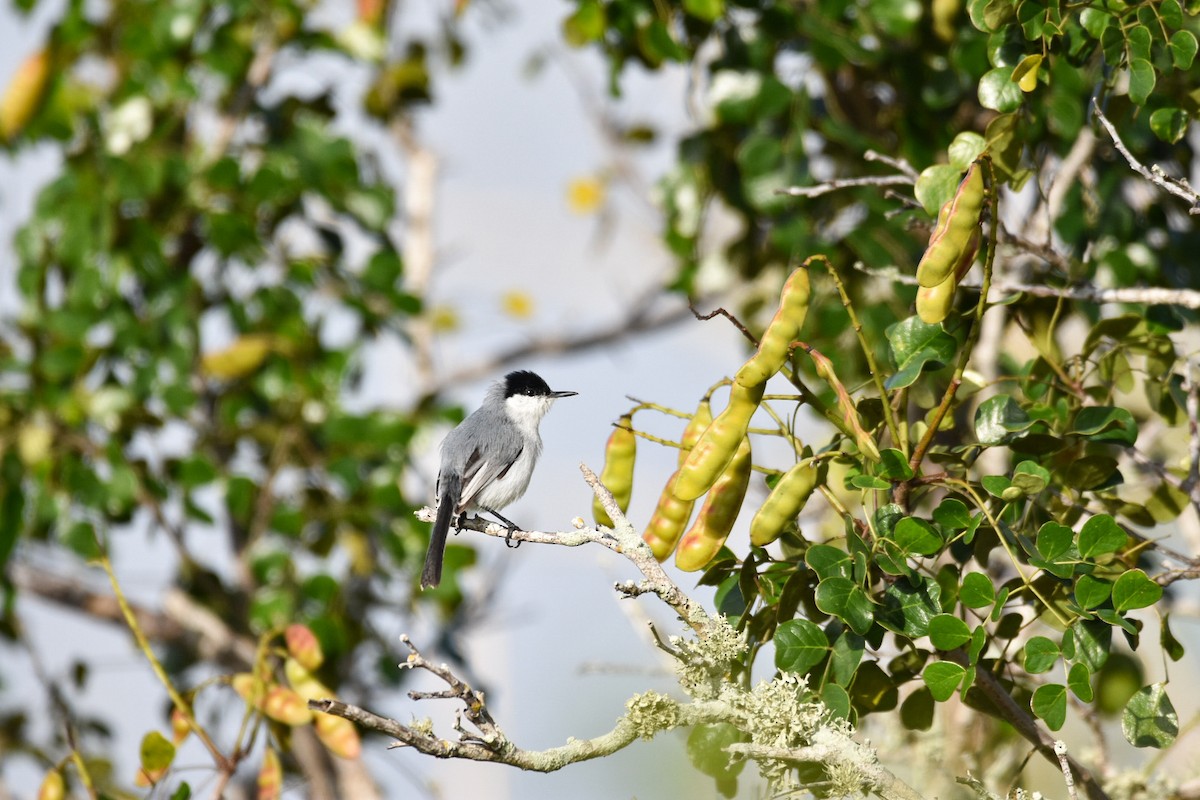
x,y
563,394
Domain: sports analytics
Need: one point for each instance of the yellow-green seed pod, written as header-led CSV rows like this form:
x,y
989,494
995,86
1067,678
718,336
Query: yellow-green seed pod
x,y
934,302
717,515
666,525
957,222
617,475
719,443
783,504
695,429
772,351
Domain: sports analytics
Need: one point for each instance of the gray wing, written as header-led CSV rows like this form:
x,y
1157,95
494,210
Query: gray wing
x,y
481,450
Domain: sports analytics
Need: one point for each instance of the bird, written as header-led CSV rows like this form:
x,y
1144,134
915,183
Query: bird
x,y
488,459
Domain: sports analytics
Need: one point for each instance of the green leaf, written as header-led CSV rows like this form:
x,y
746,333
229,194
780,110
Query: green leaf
x,y
966,147
917,346
869,482
999,486
1139,40
707,10
1091,592
1149,719
706,749
917,537
1030,478
1079,680
1101,535
935,187
948,632
846,600
828,561
1183,47
978,642
1171,13
1141,80
1087,641
998,92
952,514
1094,21
1170,645
585,25
977,590
847,655
907,610
156,753
916,712
837,700
999,420
1040,655
1054,540
893,465
942,678
799,646
1134,590
1169,124
1105,424
1049,703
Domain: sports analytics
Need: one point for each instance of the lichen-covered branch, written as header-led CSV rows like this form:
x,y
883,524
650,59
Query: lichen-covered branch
x,y
781,720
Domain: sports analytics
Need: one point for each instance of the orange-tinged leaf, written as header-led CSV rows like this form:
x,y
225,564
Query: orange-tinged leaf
x,y
338,735
24,94
270,777
303,646
371,11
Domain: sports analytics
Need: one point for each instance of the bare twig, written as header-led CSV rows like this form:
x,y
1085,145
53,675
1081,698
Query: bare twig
x,y
1060,750
737,323
898,164
819,189
1176,186
1150,295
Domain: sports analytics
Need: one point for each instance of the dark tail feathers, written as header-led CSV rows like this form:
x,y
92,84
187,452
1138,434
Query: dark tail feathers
x,y
451,486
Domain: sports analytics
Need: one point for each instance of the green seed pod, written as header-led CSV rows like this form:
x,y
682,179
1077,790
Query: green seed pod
x,y
668,521
783,504
957,222
617,475
720,510
719,443
934,302
772,351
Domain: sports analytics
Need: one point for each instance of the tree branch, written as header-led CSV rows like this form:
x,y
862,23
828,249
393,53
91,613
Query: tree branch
x,y
787,719
1176,186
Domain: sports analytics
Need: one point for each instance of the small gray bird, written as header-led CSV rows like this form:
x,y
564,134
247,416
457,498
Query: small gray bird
x,y
488,459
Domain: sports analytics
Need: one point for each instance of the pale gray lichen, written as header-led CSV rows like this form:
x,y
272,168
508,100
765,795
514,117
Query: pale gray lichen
x,y
1133,785
423,726
704,661
650,713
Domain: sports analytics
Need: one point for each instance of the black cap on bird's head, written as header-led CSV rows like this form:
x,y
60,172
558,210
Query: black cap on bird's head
x,y
530,384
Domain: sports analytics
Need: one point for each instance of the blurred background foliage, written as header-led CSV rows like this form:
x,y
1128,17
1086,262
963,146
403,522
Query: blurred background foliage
x,y
199,282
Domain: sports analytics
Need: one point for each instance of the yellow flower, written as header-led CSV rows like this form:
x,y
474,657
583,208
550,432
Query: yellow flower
x,y
444,319
585,195
517,304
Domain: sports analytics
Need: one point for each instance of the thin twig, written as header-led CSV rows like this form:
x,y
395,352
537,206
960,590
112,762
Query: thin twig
x,y
1176,186
736,322
845,183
